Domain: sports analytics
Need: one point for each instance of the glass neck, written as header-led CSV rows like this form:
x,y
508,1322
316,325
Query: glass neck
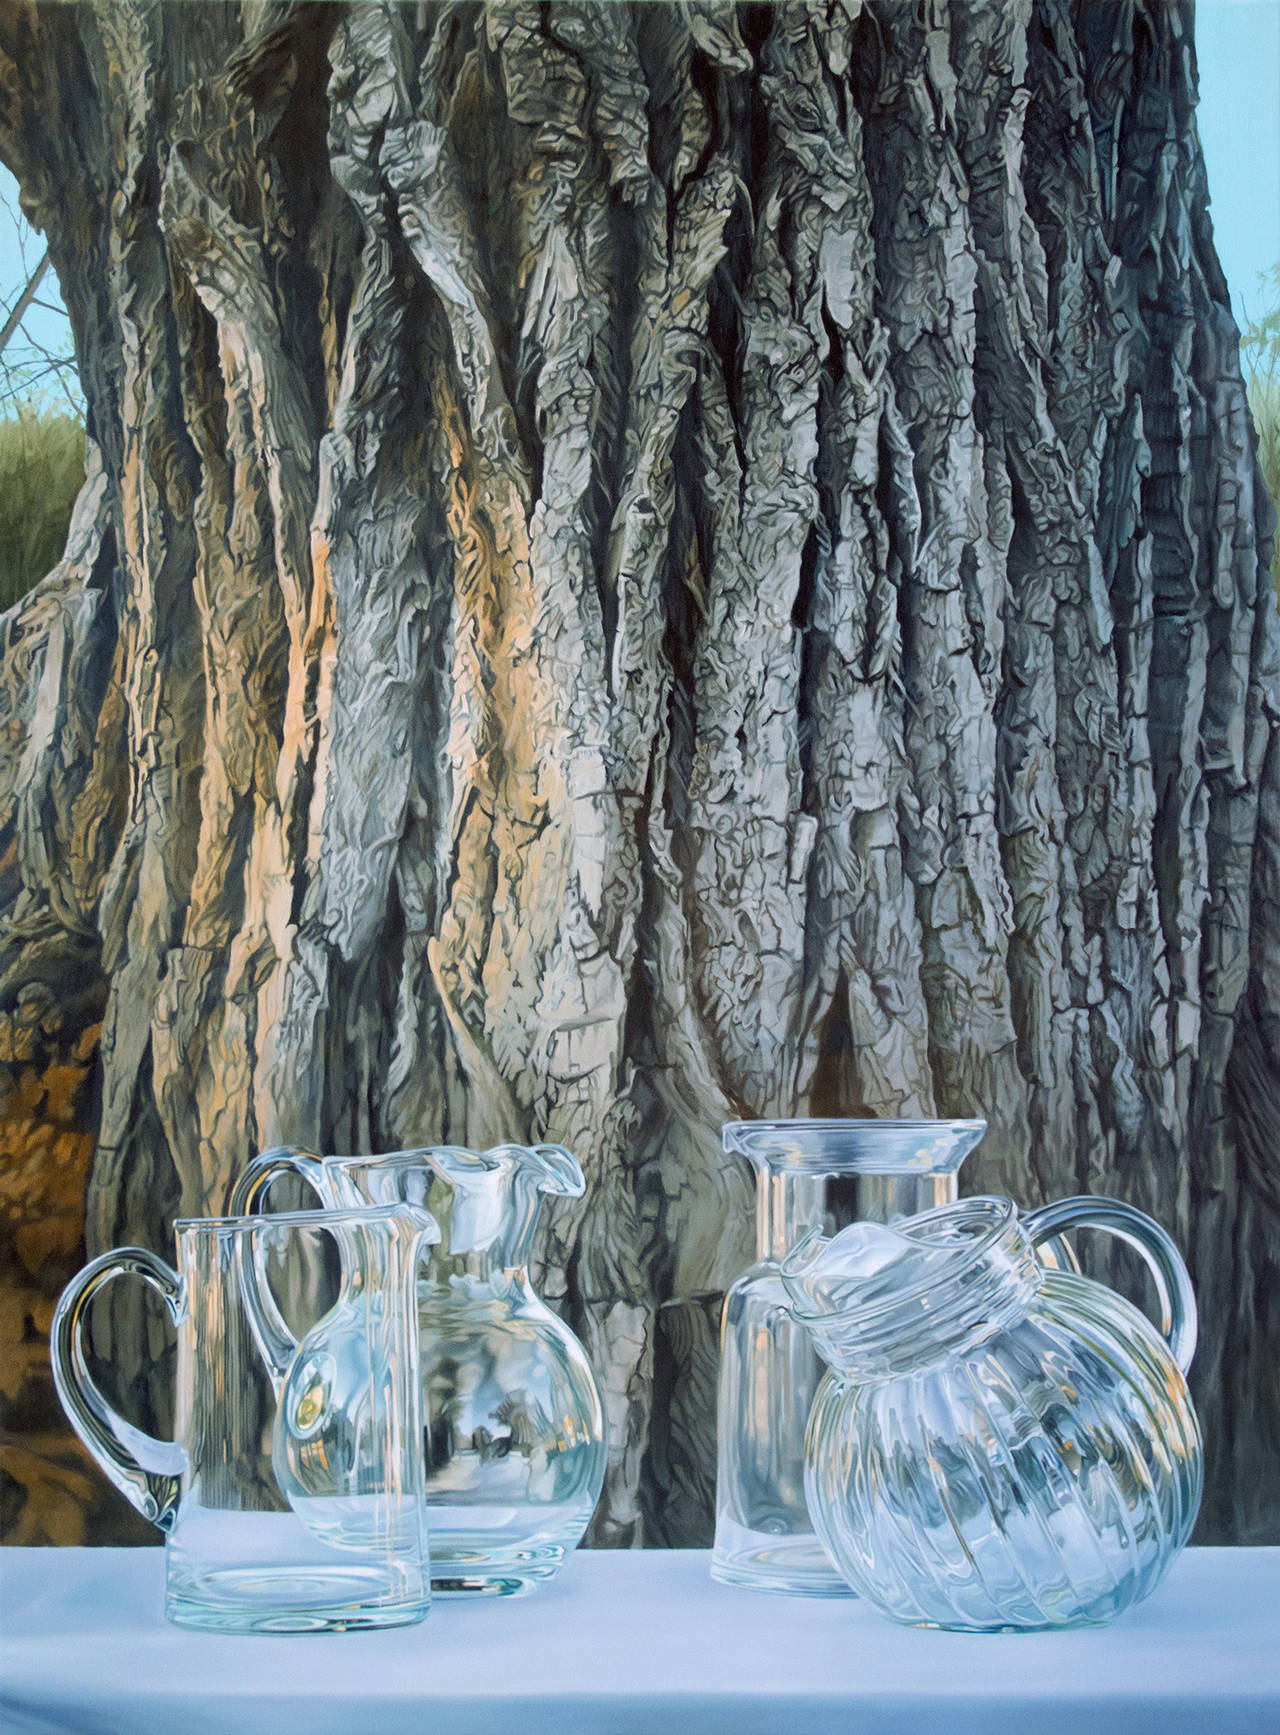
x,y
988,1279
494,1264
961,1314
789,1203
486,1215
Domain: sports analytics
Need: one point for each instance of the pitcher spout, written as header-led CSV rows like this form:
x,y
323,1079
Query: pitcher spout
x,y
496,1197
530,1174
485,1202
553,1169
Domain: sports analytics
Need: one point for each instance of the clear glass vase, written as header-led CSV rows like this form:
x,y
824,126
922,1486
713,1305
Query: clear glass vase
x,y
513,1428
810,1174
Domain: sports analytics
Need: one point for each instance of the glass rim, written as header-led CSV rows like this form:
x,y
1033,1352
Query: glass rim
x,y
1000,1212
485,1161
560,1169
867,1145
319,1218
833,1123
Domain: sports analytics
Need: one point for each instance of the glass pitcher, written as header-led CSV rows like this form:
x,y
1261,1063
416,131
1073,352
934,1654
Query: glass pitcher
x,y
809,1174
997,1446
513,1428
292,1496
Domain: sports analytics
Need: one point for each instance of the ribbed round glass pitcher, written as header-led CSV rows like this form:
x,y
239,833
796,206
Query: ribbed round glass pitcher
x,y
810,1174
997,1446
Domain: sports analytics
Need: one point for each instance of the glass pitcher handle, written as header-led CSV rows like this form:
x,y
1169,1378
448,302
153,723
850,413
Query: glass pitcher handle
x,y
1145,1236
253,1184
276,1343
147,1471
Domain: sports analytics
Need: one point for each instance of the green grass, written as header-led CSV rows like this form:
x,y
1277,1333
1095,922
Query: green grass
x,y
41,469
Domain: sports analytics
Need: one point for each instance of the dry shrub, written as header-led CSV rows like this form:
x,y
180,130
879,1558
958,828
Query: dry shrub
x,y
41,469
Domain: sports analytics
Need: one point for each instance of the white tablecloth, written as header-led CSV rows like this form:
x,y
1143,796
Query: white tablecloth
x,y
628,1643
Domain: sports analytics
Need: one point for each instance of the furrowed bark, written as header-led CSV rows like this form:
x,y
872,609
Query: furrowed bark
x,y
640,564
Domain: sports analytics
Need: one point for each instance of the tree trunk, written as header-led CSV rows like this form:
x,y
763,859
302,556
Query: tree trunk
x,y
649,563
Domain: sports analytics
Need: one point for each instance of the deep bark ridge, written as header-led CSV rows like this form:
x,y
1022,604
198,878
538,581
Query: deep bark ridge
x,y
644,564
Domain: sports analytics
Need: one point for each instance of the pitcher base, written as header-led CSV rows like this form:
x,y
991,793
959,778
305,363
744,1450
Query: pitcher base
x,y
251,1601
459,1570
792,1565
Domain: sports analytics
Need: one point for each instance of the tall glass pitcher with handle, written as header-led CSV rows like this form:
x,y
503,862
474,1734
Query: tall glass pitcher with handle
x,y
810,1174
513,1428
292,1495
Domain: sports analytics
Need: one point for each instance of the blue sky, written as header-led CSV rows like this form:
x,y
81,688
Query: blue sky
x,y
1238,48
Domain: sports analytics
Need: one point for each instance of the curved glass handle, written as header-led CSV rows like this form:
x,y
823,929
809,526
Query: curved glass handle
x,y
147,1471
250,1190
276,1343
1145,1236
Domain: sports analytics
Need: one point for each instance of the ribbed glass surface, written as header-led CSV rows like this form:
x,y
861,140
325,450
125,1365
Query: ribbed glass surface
x,y
1048,1476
